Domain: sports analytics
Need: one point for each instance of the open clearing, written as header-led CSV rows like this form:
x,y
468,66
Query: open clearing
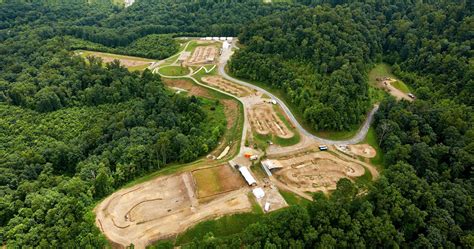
x,y
173,71
382,77
227,86
312,171
217,180
203,55
264,120
131,62
161,208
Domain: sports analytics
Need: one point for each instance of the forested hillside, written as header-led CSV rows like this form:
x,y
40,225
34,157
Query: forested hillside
x,y
73,131
319,57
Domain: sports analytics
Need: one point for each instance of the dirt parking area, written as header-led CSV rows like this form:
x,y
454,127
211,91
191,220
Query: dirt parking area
x,y
203,55
313,171
264,120
227,86
161,208
216,180
386,84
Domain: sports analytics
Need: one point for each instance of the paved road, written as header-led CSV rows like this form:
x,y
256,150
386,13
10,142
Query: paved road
x,y
359,137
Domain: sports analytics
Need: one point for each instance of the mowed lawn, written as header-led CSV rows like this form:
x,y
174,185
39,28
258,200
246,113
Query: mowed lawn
x,y
173,71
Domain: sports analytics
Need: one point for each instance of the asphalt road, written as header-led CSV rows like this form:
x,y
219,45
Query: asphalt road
x,y
359,137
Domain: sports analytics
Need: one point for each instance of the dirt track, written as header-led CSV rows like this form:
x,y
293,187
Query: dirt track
x,y
141,214
316,171
227,86
264,120
203,55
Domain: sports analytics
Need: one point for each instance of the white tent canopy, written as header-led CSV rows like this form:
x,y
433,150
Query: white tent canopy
x,y
248,177
258,192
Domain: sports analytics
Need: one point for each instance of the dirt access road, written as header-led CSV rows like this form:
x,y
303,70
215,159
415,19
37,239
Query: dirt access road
x,y
359,137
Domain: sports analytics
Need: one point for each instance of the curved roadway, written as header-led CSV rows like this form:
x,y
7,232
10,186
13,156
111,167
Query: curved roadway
x,y
359,137
224,58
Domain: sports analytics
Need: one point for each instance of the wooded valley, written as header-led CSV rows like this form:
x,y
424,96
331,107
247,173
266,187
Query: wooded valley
x,y
72,130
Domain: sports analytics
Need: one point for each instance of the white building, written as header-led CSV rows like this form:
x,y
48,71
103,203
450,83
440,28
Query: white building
x,y
247,176
258,192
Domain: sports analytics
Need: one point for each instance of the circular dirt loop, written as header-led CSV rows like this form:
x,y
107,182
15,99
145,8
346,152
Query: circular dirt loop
x,y
363,150
264,120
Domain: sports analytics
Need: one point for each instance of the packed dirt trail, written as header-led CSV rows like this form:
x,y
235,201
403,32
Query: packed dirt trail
x,y
359,137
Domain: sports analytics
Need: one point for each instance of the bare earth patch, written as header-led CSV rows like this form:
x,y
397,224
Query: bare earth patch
x,y
161,208
316,171
227,86
188,86
203,55
127,61
363,150
264,120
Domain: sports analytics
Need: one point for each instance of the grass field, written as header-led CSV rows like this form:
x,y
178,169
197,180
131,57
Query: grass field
x,y
216,180
371,139
173,71
208,181
401,86
293,199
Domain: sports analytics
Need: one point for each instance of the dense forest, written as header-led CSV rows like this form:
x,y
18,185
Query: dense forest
x,y
72,131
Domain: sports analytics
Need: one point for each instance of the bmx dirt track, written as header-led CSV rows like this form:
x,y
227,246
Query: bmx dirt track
x,y
264,120
227,86
316,171
161,208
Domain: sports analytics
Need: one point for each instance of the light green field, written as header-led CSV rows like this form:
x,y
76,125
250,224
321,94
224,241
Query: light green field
x,y
173,71
293,199
384,70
